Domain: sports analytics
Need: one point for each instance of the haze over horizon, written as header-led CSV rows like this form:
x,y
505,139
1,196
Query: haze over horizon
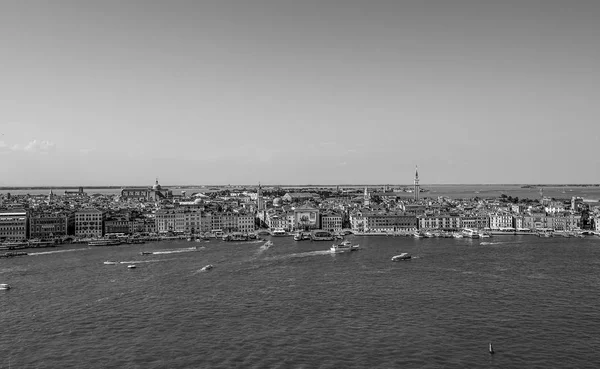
x,y
326,92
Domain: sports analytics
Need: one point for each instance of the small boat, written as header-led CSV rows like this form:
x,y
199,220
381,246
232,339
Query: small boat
x,y
491,349
131,266
207,267
145,253
108,262
268,244
4,286
343,247
403,256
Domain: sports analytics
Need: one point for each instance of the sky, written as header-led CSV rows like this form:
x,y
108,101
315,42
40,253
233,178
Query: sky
x,y
298,92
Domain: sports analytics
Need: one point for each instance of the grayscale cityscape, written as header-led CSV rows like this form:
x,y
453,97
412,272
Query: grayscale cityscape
x,y
299,184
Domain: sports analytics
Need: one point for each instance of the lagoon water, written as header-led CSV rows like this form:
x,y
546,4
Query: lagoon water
x,y
457,191
294,305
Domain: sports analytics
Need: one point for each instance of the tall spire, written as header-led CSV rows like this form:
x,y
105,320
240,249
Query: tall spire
x,y
417,189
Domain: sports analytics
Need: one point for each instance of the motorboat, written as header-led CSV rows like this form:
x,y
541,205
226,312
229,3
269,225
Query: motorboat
x,y
268,244
343,247
131,266
108,262
206,267
4,286
145,253
403,256
298,236
278,232
470,233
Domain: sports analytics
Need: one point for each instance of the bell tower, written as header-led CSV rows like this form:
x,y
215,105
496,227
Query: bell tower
x,y
416,188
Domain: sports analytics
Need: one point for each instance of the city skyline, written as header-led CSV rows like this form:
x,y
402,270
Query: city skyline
x,y
324,92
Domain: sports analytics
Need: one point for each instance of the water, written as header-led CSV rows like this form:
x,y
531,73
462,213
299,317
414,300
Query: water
x,y
293,305
451,191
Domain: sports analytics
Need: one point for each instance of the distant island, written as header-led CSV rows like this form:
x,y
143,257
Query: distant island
x,y
560,185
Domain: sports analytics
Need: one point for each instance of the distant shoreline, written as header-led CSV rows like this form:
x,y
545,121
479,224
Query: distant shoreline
x,y
19,188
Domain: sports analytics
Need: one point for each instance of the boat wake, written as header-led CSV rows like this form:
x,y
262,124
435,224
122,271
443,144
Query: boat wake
x,y
187,249
491,243
143,261
54,252
301,255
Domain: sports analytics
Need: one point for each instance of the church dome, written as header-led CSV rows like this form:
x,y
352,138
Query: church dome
x,y
156,186
277,201
198,201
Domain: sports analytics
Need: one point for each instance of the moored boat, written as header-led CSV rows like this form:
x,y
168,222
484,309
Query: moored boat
x,y
104,242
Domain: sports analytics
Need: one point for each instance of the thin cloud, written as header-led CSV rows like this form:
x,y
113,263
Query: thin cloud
x,y
42,146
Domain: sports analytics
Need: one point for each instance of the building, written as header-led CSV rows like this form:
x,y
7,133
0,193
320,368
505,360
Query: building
x,y
446,222
474,221
13,225
78,193
48,226
331,222
371,221
306,217
154,193
260,202
117,225
501,221
89,223
416,189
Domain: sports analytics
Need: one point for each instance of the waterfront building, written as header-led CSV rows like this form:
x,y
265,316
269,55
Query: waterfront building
x,y
306,217
417,188
89,223
117,225
474,221
501,221
564,221
446,222
48,226
245,223
180,220
536,221
374,221
13,225
331,222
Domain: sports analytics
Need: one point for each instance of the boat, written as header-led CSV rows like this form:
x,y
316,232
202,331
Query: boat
x,y
343,247
145,253
131,266
470,233
268,244
403,256
298,236
491,349
4,286
108,262
206,267
278,232
457,235
321,235
12,254
104,242
418,234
